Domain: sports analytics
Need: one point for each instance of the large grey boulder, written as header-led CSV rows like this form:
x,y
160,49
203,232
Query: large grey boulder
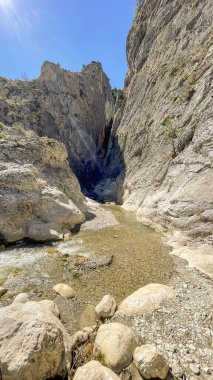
x,y
94,370
116,343
150,362
34,344
145,300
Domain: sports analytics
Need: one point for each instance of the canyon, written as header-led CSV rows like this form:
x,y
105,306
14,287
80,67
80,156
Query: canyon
x,y
69,142
149,149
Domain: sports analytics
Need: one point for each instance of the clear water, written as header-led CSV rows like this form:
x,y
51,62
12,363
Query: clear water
x,y
139,258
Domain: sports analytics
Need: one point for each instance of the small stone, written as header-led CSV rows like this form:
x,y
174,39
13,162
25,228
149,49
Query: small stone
x,y
64,290
2,291
21,298
106,308
2,280
194,368
150,362
177,371
79,338
207,370
131,373
89,329
2,248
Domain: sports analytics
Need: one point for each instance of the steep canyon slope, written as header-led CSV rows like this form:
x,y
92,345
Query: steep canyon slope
x,y
165,126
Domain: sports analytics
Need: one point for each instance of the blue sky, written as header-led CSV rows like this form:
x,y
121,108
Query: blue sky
x,y
69,32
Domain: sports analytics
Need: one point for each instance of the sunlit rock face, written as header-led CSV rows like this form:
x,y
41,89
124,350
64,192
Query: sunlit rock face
x,y
40,197
164,129
74,108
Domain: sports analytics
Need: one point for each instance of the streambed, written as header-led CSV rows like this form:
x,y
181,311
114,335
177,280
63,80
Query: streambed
x,y
139,258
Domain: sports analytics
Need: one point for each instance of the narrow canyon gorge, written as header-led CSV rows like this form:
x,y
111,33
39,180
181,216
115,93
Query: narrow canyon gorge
x,y
110,191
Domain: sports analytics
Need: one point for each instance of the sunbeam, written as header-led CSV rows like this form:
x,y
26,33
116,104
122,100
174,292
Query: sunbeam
x,y
16,17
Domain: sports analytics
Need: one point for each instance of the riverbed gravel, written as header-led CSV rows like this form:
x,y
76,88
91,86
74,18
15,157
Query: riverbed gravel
x,y
183,328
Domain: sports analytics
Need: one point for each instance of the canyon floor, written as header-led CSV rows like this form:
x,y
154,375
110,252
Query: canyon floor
x,y
90,261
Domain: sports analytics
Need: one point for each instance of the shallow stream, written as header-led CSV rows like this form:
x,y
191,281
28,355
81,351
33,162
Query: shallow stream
x,y
139,258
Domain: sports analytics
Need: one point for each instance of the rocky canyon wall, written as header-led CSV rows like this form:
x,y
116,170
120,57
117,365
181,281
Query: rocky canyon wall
x,y
164,128
155,158
52,129
75,108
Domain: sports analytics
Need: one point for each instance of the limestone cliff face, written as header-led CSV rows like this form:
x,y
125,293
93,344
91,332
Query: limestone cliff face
x,y
74,108
165,132
40,197
51,129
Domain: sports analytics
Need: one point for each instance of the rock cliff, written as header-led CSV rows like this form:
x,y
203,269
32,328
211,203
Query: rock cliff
x,y
58,118
156,158
164,128
74,108
40,197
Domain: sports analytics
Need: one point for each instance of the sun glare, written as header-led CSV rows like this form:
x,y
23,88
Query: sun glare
x,y
5,3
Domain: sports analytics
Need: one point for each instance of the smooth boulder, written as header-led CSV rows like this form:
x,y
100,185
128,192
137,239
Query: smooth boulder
x,y
145,300
150,362
64,290
106,307
116,343
94,370
21,298
30,206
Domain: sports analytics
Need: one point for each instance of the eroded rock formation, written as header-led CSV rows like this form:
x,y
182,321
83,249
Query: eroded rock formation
x,y
40,197
164,127
158,153
74,108
58,118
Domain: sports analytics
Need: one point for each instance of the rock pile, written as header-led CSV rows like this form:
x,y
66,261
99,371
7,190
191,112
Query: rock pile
x,y
34,345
